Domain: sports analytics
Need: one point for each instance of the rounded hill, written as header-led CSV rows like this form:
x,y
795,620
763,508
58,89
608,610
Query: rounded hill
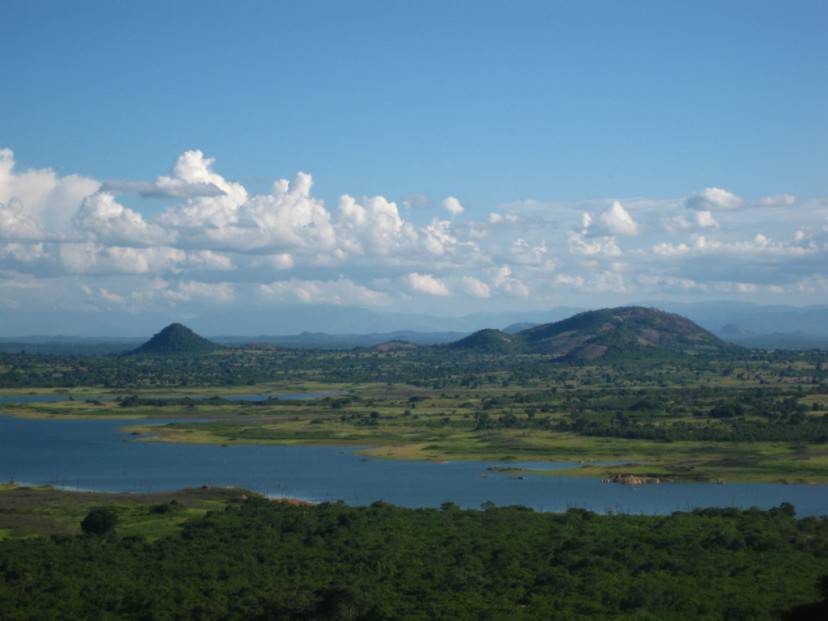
x,y
627,331
487,341
176,339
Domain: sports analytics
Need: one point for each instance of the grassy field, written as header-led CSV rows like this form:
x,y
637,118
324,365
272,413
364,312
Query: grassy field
x,y
33,511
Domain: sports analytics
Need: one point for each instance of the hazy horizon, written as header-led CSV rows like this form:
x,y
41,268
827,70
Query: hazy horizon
x,y
344,320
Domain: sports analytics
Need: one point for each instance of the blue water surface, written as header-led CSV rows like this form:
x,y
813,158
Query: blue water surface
x,y
33,398
97,455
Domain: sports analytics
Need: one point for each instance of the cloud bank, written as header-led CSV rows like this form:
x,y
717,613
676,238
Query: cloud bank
x,y
71,241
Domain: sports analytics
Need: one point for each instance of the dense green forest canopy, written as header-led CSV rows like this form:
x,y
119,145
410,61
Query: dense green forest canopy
x,y
263,560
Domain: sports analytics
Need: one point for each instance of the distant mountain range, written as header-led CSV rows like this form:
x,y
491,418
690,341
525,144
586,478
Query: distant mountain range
x,y
624,333
774,340
276,321
345,328
322,340
754,318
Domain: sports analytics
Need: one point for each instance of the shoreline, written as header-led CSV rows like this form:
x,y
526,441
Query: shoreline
x,y
244,493
403,422
141,428
582,466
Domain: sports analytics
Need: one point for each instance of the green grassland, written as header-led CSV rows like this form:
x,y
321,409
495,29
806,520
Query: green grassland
x,y
31,511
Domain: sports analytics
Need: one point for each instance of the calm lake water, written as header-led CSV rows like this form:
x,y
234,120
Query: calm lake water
x,y
32,398
95,455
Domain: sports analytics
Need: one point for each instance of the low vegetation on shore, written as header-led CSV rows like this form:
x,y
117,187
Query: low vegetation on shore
x,y
30,511
760,418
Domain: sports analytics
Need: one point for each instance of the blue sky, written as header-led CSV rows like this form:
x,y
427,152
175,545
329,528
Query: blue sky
x,y
534,112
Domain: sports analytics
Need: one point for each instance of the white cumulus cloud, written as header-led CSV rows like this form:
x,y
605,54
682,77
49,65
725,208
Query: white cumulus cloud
x,y
342,291
475,287
38,202
777,200
596,246
375,227
428,284
287,245
102,218
453,206
711,199
617,221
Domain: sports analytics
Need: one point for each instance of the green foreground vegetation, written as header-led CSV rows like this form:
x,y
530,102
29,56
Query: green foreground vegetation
x,y
255,559
39,511
751,416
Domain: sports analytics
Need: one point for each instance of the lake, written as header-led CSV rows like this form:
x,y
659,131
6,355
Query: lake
x,y
33,398
96,455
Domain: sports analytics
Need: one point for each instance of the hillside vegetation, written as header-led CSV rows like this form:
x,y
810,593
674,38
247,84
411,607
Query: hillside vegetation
x,y
176,339
610,334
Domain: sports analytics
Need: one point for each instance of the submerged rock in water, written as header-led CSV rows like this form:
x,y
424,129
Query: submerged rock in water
x,y
626,478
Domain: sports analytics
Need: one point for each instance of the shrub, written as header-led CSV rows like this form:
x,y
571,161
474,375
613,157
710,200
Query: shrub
x,y
100,521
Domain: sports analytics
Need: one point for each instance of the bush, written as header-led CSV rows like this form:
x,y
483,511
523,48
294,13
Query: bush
x,y
166,507
100,521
